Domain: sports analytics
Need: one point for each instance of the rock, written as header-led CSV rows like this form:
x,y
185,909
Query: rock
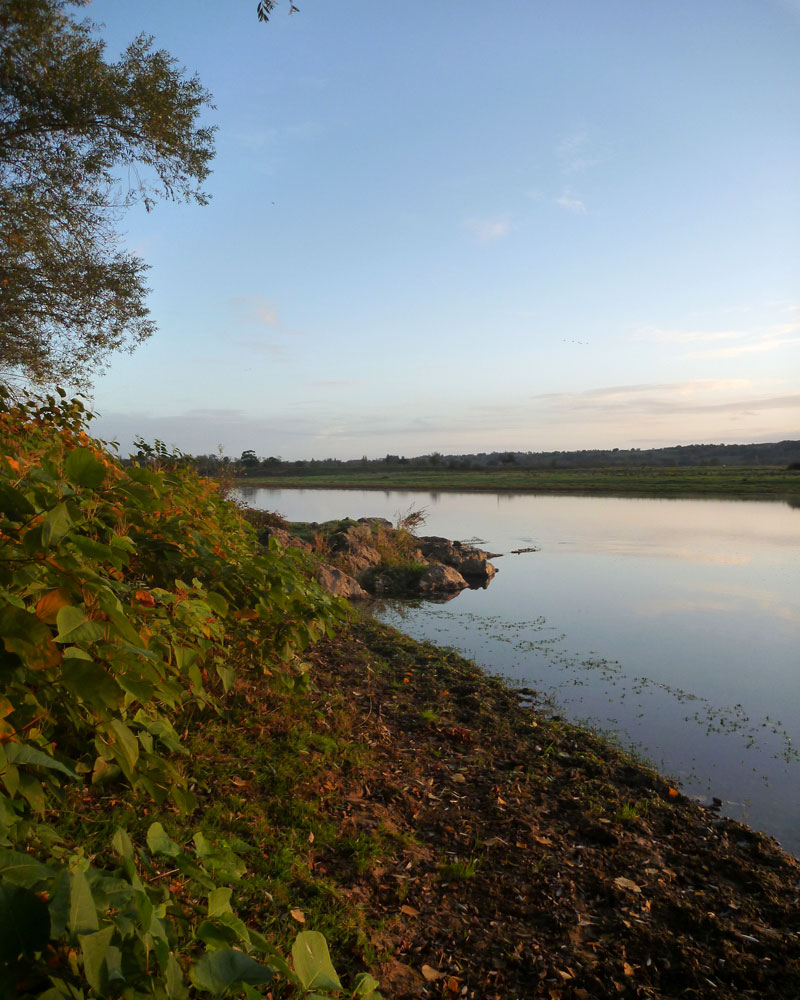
x,y
336,582
475,566
354,548
440,578
378,522
282,536
470,562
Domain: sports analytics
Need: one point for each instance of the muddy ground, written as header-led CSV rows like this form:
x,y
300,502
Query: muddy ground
x,y
532,858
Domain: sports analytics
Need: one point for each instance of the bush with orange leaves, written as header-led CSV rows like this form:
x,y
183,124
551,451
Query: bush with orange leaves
x,y
129,597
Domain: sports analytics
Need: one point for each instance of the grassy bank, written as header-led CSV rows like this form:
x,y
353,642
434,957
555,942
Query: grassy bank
x,y
755,483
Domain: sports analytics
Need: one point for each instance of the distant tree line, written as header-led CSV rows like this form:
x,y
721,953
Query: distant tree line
x,y
781,453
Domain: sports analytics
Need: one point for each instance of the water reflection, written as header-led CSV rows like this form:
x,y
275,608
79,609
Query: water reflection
x,y
674,623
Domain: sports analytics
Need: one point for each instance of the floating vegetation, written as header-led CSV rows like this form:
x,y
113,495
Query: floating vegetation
x,y
535,654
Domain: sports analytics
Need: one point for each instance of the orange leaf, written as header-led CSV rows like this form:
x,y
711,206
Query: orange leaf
x,y
13,463
48,606
298,915
673,793
146,599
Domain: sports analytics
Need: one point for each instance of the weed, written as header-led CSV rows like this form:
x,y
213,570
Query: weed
x,y
452,871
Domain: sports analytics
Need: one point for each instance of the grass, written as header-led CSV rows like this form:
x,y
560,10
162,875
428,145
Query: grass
x,y
736,481
458,871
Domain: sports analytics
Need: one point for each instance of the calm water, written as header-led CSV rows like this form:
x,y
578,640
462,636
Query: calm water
x,y
674,624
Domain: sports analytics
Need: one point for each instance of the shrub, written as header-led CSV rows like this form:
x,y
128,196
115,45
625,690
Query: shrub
x,y
129,597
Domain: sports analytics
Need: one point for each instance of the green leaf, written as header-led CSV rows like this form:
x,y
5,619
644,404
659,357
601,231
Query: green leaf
x,y
159,841
14,504
76,653
126,746
122,843
83,468
219,900
215,937
91,683
176,985
21,869
82,909
217,603
217,971
30,788
56,524
24,922
74,626
59,904
95,947
24,634
365,986
185,800
312,962
22,753
123,626
94,550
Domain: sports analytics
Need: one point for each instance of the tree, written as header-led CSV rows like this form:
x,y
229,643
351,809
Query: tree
x,y
70,123
267,7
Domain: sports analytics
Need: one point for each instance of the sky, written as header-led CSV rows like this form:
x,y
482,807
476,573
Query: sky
x,y
464,226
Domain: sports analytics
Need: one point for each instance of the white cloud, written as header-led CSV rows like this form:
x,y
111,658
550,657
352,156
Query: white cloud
x,y
753,340
574,153
572,204
489,230
653,333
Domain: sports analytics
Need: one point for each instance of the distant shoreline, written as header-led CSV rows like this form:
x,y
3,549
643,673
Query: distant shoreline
x,y
737,482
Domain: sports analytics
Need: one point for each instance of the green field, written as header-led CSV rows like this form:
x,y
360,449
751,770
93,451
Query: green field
x,y
718,481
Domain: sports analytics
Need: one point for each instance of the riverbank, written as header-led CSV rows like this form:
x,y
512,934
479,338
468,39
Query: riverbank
x,y
718,481
447,836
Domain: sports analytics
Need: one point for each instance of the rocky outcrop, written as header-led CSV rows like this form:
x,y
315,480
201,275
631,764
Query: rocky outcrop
x,y
284,538
354,548
371,557
440,579
473,564
339,583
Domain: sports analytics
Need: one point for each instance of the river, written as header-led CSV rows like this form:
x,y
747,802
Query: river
x,y
672,624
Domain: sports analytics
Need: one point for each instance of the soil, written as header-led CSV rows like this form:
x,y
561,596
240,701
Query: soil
x,y
531,858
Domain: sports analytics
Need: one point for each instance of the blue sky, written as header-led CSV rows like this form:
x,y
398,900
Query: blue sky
x,y
458,226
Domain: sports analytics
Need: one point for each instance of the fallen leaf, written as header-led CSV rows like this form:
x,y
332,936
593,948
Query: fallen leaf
x,y
625,883
430,974
311,838
459,779
627,968
409,910
298,915
673,793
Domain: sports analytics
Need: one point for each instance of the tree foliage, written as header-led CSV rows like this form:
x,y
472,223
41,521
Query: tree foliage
x,y
266,7
82,138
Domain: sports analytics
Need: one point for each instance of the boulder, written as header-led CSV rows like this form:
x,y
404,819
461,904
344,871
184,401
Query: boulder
x,y
441,579
282,536
354,548
336,582
470,562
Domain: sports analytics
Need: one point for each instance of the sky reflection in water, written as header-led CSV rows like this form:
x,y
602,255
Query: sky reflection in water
x,y
673,623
